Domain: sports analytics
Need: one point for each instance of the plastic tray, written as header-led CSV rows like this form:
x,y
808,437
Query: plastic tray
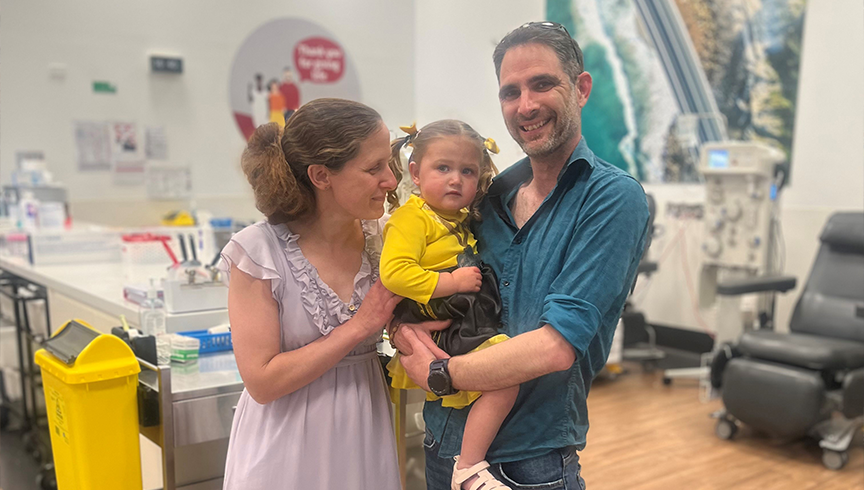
x,y
211,342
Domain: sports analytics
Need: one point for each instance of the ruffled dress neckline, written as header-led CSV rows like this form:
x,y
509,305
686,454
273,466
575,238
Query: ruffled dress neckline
x,y
322,303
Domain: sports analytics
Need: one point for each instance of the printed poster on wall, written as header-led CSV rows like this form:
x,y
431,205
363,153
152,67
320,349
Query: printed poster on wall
x,y
93,145
125,144
671,75
169,182
284,64
127,154
156,143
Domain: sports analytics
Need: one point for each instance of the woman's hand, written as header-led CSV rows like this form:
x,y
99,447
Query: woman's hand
x,y
376,310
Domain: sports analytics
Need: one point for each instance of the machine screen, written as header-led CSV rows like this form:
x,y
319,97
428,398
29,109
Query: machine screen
x,y
718,159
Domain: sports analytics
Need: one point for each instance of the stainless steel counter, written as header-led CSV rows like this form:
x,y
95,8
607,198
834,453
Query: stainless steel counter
x,y
187,410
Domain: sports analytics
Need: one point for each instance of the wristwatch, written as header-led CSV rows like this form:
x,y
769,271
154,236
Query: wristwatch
x,y
439,378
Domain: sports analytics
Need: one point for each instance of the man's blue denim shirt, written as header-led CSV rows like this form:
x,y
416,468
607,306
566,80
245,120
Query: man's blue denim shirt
x,y
570,266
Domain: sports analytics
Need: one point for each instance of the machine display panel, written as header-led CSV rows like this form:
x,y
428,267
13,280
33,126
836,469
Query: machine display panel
x,y
718,159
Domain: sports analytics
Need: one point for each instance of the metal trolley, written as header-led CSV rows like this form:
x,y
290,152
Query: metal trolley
x,y
29,410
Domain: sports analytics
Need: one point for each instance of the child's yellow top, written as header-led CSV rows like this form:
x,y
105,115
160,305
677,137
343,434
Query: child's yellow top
x,y
416,244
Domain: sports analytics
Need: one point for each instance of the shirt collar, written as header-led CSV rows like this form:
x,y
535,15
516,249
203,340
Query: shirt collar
x,y
457,217
521,170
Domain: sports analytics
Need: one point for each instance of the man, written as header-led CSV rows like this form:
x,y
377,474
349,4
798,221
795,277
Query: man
x,y
564,232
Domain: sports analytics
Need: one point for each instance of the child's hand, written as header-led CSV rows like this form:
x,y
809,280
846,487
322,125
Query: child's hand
x,y
467,279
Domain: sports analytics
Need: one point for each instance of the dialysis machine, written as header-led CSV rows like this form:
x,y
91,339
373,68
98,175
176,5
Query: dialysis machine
x,y
742,182
740,207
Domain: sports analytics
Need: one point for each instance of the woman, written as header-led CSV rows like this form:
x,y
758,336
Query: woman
x,y
306,307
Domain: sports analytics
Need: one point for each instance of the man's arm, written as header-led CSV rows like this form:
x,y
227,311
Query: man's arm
x,y
520,359
599,268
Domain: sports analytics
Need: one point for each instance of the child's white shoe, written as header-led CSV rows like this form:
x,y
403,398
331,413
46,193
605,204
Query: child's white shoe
x,y
485,480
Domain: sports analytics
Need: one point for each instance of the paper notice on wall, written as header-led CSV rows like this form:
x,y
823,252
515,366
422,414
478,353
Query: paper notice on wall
x,y
130,173
93,145
156,144
169,182
125,142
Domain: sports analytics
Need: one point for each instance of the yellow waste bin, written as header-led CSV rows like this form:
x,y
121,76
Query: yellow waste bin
x,y
90,381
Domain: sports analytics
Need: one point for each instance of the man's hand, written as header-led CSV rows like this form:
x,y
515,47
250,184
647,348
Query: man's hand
x,y
424,351
424,329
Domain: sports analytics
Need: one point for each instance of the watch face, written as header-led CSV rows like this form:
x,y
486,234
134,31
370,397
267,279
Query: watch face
x,y
438,383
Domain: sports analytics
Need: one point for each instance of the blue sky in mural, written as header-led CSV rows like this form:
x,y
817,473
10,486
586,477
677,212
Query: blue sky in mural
x,y
670,75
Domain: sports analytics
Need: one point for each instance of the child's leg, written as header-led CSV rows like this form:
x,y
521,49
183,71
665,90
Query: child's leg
x,y
487,414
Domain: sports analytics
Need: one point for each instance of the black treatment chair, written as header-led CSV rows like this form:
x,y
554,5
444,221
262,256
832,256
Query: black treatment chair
x,y
809,382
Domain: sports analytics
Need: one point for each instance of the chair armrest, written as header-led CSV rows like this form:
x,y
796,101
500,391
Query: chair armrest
x,y
757,285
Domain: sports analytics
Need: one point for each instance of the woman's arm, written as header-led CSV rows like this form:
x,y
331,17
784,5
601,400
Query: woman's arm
x,y
269,374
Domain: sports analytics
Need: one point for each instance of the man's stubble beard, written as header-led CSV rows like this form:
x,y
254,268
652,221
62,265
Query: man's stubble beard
x,y
572,118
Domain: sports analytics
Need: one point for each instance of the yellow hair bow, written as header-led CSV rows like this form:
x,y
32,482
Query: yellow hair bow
x,y
411,130
491,145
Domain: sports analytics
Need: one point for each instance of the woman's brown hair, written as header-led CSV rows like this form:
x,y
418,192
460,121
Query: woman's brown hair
x,y
420,142
322,132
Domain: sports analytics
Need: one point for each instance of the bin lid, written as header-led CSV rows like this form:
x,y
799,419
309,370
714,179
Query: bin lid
x,y
68,343
77,353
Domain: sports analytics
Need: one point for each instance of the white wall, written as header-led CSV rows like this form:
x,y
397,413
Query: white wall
x,y
454,74
111,40
828,151
827,166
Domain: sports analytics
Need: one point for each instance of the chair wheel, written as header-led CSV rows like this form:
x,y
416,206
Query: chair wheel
x,y
725,429
667,381
834,460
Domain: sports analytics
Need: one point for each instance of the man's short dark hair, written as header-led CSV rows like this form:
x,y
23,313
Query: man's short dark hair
x,y
550,34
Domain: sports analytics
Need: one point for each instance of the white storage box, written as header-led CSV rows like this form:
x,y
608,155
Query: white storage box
x,y
73,247
182,297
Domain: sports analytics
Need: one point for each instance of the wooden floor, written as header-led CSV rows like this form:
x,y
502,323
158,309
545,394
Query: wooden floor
x,y
646,436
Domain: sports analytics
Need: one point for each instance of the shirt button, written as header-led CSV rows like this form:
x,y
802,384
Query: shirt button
x,y
517,240
506,283
351,307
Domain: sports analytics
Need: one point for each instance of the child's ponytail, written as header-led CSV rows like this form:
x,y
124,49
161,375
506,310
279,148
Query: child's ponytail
x,y
395,163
